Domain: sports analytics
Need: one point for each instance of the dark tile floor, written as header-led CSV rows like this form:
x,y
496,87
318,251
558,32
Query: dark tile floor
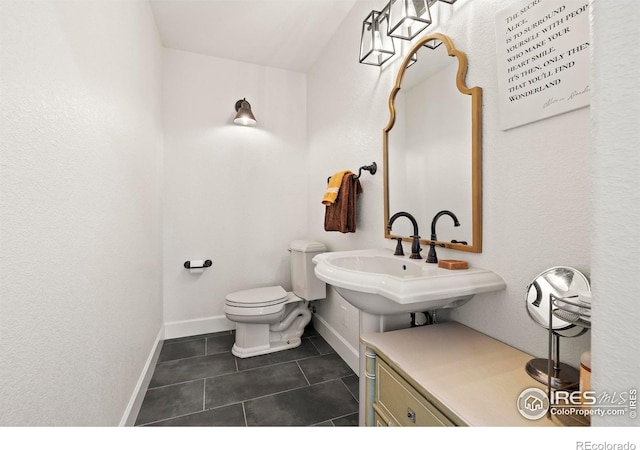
x,y
198,382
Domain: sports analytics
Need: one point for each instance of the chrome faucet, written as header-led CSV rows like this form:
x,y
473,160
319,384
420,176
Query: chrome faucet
x,y
415,243
432,257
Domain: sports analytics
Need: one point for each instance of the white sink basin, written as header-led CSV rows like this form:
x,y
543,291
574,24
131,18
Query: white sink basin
x,y
377,282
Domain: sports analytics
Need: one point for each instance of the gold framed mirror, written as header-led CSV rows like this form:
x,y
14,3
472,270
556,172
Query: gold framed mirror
x,y
432,146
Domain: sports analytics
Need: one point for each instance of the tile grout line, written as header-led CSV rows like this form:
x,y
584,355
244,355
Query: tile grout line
x,y
190,381
204,395
314,345
244,414
345,385
302,372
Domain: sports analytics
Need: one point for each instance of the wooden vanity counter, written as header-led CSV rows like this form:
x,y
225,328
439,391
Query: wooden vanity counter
x,y
470,378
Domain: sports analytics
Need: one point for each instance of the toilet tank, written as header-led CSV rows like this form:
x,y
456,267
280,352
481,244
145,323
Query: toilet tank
x,y
304,282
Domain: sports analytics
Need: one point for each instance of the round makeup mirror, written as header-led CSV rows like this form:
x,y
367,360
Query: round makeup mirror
x,y
546,299
561,282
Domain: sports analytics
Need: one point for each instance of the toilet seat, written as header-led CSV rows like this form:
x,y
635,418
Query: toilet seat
x,y
260,304
258,297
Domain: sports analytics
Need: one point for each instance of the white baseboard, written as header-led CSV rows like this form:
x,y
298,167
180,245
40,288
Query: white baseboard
x,y
195,327
346,351
133,408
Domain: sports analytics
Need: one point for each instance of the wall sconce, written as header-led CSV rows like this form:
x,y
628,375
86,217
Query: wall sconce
x,y
402,19
244,115
376,46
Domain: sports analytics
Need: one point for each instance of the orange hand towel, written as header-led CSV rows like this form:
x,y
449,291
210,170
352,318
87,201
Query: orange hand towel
x,y
334,187
341,215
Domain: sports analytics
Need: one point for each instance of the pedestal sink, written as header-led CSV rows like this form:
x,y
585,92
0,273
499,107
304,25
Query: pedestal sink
x,y
377,282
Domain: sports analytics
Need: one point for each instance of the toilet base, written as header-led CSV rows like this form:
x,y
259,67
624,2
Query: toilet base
x,y
244,352
254,339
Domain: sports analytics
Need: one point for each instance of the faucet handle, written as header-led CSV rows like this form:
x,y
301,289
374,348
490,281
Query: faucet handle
x,y
399,250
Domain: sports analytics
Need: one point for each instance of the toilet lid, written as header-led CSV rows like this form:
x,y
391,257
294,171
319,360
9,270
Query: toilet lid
x,y
266,296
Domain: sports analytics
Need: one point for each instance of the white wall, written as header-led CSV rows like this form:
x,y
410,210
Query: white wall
x,y
232,194
80,272
537,205
616,201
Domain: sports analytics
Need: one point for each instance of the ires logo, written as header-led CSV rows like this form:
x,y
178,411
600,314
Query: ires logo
x,y
534,403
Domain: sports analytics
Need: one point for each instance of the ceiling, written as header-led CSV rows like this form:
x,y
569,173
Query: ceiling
x,y
288,34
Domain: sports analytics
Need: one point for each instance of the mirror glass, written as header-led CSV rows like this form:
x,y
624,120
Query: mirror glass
x,y
432,146
562,282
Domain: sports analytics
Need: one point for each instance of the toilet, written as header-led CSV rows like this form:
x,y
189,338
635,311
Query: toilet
x,y
270,319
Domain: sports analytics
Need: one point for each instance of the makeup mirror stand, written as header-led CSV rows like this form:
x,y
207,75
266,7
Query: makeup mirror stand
x,y
551,372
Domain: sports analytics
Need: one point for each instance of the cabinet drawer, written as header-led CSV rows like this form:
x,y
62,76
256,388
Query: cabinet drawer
x,y
381,419
402,402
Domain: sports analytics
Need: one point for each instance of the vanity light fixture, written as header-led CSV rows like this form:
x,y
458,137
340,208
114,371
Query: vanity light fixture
x,y
407,18
376,47
401,19
244,115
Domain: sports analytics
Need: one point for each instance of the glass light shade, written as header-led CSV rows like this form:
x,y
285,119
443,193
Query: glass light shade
x,y
376,46
451,2
407,18
244,115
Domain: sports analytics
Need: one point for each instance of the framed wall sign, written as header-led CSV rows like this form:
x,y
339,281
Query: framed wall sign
x,y
543,59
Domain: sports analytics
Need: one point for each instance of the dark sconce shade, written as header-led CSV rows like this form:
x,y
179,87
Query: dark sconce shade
x,y
375,45
244,115
407,18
